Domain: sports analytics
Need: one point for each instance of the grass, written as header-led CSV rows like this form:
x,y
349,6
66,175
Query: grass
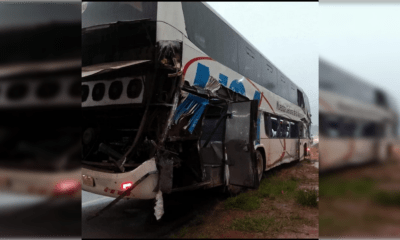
x,y
387,198
265,224
336,187
273,187
307,198
364,187
254,224
201,235
182,232
244,201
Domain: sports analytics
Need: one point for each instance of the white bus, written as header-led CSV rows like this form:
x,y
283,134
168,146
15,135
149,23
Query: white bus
x,y
358,122
174,98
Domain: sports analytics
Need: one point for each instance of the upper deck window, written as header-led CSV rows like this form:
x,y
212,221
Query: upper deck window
x,y
300,99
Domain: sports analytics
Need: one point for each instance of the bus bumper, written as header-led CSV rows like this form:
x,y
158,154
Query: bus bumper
x,y
48,184
114,184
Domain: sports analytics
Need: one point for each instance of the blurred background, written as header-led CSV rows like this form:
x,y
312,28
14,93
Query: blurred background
x,y
358,119
40,100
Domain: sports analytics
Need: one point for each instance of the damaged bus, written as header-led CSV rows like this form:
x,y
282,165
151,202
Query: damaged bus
x,y
358,122
174,99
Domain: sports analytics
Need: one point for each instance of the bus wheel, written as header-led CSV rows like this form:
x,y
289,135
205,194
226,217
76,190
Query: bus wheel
x,y
260,165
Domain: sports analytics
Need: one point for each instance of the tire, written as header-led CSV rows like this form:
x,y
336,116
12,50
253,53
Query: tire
x,y
260,165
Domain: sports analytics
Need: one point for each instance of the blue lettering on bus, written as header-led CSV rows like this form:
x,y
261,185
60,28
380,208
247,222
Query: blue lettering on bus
x,y
238,87
223,79
202,75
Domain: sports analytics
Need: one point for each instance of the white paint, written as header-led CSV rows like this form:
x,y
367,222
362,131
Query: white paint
x,y
172,14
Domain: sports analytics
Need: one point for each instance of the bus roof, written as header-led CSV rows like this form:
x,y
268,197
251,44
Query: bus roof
x,y
334,79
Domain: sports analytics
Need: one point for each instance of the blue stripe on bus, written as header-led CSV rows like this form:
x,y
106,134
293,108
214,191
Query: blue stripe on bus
x,y
202,75
191,101
257,96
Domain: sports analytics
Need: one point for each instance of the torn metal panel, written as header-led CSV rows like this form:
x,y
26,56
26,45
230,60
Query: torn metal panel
x,y
214,89
191,105
213,85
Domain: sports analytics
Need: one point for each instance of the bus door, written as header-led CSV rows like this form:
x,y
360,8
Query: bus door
x,y
212,143
240,134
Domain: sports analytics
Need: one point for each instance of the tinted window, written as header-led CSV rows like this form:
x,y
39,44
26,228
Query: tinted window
x,y
370,130
347,128
275,127
210,34
294,130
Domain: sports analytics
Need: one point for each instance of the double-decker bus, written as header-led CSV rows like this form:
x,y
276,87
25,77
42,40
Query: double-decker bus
x,y
174,98
40,99
358,122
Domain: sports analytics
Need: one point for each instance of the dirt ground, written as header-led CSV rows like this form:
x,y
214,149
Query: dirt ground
x,y
362,201
281,216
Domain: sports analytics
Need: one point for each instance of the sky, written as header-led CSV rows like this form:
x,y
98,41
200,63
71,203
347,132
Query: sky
x,y
285,33
364,39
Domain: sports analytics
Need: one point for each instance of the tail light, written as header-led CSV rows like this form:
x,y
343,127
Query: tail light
x,y
126,185
67,187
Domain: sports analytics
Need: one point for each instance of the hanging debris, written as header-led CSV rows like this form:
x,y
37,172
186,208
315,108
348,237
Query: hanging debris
x,y
159,208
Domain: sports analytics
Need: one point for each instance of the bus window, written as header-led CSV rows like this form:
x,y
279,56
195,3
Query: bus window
x,y
294,130
370,130
347,129
280,129
358,130
300,99
331,127
274,127
285,129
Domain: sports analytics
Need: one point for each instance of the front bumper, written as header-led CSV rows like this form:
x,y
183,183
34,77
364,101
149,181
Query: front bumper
x,y
114,184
